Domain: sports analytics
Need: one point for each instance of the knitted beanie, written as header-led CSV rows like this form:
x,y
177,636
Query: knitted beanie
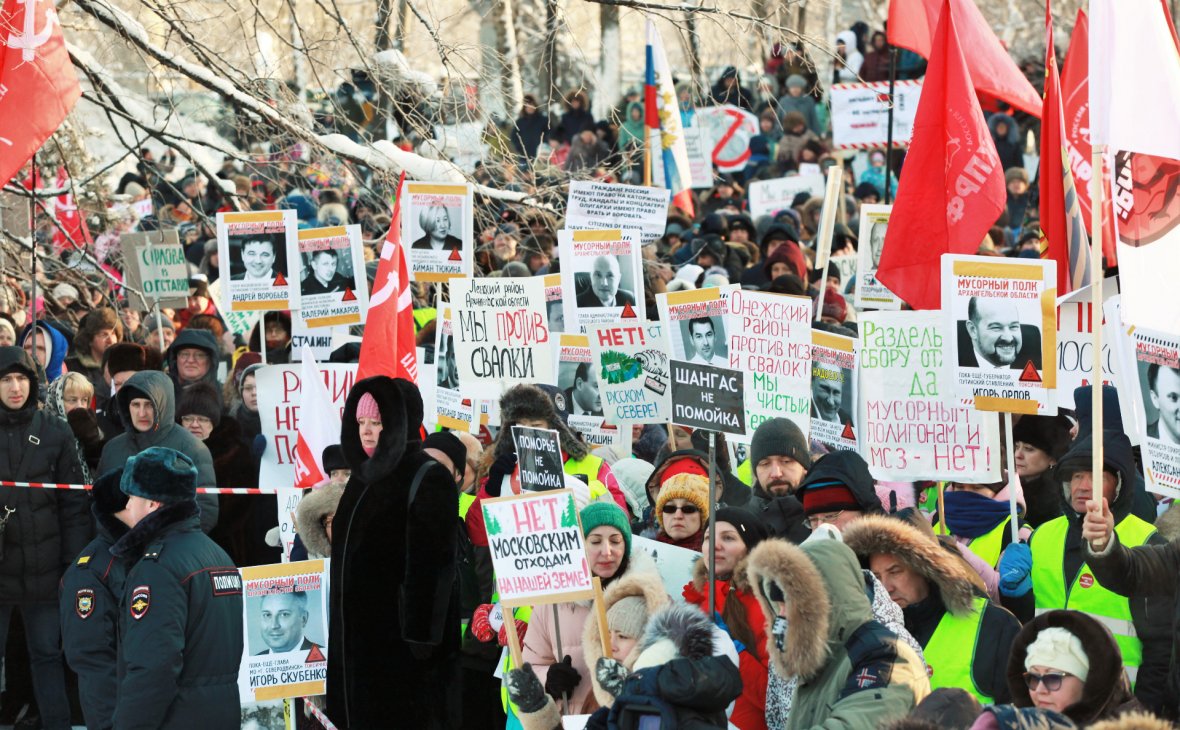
x,y
827,496
779,437
691,487
598,514
628,616
749,526
366,407
632,474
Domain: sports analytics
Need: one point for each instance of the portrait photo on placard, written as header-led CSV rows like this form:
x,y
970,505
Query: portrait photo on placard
x,y
831,393
995,333
447,372
579,382
437,225
279,623
705,341
326,271
257,256
1160,386
604,281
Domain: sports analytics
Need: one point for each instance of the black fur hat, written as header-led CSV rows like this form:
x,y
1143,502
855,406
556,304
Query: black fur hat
x,y
108,497
200,399
161,475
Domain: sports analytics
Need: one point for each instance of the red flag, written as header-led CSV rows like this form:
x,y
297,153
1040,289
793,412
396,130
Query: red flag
x,y
69,218
38,86
1063,232
952,185
993,72
1075,103
388,345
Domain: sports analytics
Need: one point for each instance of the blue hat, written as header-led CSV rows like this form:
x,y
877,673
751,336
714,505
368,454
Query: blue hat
x,y
161,475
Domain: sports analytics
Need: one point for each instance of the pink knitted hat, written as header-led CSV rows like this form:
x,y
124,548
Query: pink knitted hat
x,y
366,407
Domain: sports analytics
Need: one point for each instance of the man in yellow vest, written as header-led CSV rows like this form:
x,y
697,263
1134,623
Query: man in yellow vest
x,y
965,639
1051,571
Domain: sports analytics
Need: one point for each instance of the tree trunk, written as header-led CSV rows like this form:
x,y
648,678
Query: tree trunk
x,y
298,52
696,70
550,78
403,24
513,88
610,69
381,38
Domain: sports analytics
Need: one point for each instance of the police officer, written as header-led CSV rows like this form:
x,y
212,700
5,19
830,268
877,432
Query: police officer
x,y
181,614
90,593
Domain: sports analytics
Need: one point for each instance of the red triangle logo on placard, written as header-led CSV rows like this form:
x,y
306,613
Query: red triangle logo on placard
x,y
280,280
454,255
1029,374
315,655
847,433
466,403
349,296
628,312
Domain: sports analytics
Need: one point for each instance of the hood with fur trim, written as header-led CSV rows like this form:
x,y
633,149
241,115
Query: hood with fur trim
x,y
823,587
1133,721
676,631
641,584
310,517
525,402
391,444
1106,686
873,535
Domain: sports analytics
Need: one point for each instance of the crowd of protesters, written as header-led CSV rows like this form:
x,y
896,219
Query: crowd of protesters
x,y
835,603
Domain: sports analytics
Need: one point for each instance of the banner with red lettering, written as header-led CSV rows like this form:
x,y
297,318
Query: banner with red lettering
x,y
280,401
634,378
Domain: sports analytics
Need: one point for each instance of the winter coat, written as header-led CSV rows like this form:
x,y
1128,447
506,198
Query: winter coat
x,y
180,626
59,344
540,647
1151,570
853,672
243,519
749,712
1107,688
572,122
846,72
953,589
394,606
309,517
46,528
1150,612
585,156
1008,147
791,145
165,432
199,339
805,105
528,133
1043,497
91,592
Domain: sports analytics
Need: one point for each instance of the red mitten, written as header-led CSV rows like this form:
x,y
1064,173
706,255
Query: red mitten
x,y
521,628
481,627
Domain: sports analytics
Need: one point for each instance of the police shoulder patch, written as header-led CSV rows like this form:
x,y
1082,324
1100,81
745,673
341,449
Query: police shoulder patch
x,y
84,603
83,560
226,582
141,601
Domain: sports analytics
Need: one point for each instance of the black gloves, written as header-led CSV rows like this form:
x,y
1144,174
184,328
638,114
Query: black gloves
x,y
84,424
501,467
524,689
562,678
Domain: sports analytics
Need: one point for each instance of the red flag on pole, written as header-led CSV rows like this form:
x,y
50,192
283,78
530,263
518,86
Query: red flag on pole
x,y
388,345
993,72
1063,230
70,219
38,86
952,185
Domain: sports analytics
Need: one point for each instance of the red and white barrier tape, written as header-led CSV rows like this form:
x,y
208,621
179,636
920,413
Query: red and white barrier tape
x,y
200,490
318,714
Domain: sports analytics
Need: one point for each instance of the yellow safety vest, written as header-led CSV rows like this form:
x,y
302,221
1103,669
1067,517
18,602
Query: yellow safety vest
x,y
745,473
588,466
989,546
423,317
1084,593
947,662
465,502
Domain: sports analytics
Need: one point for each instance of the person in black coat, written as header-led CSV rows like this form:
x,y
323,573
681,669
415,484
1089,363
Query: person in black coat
x,y
180,623
530,129
91,591
394,608
41,530
576,118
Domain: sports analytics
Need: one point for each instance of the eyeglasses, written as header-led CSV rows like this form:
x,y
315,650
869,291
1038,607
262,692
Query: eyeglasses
x,y
1051,680
191,354
688,509
816,520
196,421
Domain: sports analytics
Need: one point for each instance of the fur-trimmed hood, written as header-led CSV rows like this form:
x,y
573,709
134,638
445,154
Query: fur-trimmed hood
x,y
823,588
310,517
525,402
875,534
1106,686
642,584
1133,721
676,631
391,444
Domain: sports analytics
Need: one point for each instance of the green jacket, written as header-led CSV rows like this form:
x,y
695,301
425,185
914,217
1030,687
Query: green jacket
x,y
180,626
854,673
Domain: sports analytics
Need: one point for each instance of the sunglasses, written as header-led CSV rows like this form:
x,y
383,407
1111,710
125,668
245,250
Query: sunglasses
x,y
1051,680
688,509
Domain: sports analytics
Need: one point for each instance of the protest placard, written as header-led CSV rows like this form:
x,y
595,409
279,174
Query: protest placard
x,y
910,428
1003,316
154,263
280,396
833,390
870,293
1075,344
437,230
554,304
673,563
252,247
501,334
700,157
1157,367
287,499
580,396
768,197
696,327
770,344
846,266
285,619
241,322
1117,336
455,411
730,130
860,114
631,361
538,452
602,206
320,341
708,397
538,555
330,265
603,271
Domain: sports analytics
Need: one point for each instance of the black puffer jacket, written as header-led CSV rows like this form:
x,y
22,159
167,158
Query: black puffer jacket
x,y
46,528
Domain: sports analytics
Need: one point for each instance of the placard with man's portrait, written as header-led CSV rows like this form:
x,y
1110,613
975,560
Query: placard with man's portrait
x,y
252,248
870,293
333,289
602,273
